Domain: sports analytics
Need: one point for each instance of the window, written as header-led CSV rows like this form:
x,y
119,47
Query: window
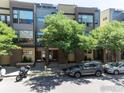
x,y
8,19
27,52
86,19
26,34
92,65
41,19
5,18
22,16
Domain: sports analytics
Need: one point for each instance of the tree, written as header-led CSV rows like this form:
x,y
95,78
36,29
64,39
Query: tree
x,y
87,42
110,36
62,32
7,34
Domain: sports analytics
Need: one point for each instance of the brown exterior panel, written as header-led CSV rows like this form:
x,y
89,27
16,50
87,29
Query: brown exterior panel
x,y
18,4
16,56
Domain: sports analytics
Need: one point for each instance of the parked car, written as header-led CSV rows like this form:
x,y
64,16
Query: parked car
x,y
87,68
108,65
115,68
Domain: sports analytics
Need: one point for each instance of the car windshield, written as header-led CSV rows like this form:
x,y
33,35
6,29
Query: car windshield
x,y
76,66
114,64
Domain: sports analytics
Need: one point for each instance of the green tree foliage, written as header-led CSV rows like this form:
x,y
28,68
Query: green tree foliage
x,y
87,42
110,36
7,34
62,32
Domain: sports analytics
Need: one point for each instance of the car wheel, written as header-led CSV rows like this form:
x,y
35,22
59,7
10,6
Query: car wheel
x,y
116,72
98,73
77,74
18,78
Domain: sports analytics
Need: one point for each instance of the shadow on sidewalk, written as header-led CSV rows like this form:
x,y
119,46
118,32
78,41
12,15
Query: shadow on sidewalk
x,y
45,84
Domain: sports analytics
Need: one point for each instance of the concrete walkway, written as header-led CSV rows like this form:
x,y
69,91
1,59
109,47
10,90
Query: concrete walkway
x,y
39,68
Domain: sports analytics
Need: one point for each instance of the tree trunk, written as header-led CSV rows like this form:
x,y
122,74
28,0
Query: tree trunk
x,y
66,59
117,56
105,55
47,57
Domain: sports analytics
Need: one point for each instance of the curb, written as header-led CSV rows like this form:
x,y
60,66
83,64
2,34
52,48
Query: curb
x,y
10,76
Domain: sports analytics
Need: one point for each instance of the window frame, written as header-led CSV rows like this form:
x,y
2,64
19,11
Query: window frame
x,y
18,15
6,18
80,17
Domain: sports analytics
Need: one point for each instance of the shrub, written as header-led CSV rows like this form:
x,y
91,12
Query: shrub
x,y
27,59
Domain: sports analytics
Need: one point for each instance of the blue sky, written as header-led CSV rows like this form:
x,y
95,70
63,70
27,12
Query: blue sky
x,y
102,4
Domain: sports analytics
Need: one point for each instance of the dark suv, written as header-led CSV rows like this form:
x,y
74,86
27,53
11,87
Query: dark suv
x,y
88,68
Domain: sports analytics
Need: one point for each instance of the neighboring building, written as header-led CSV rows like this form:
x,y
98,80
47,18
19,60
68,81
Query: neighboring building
x,y
4,17
68,10
111,14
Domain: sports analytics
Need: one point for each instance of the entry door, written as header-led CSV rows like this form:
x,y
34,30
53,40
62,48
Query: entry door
x,y
55,55
38,55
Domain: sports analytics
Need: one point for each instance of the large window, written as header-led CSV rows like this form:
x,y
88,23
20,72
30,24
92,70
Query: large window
x,y
22,16
86,19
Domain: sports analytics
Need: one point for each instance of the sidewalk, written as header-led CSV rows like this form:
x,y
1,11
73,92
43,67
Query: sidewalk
x,y
38,69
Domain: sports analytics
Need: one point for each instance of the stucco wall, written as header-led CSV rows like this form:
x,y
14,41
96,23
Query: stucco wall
x,y
105,17
4,3
69,10
4,7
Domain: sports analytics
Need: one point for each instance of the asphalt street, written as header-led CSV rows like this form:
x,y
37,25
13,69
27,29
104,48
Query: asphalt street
x,y
64,84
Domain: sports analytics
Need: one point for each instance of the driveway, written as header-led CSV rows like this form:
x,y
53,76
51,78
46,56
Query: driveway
x,y
64,84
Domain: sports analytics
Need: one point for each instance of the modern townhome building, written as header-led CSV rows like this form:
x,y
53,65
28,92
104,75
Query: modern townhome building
x,y
110,15
5,17
27,19
91,18
22,21
88,16
41,12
